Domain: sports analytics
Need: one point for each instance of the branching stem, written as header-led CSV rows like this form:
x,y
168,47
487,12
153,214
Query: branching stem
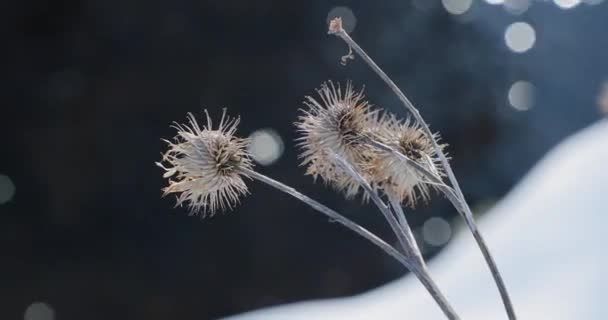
x,y
407,241
386,211
456,196
331,214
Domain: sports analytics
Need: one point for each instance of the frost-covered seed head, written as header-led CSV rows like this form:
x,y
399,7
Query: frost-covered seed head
x,y
395,177
203,165
335,123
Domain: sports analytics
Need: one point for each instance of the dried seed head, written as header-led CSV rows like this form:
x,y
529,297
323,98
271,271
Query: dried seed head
x,y
202,165
395,177
335,25
336,123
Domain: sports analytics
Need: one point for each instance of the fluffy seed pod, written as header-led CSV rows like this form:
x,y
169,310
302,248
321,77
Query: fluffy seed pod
x,y
336,123
396,178
202,165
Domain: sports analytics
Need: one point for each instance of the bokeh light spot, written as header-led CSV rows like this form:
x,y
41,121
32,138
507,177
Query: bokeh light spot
x,y
7,189
520,37
424,5
266,146
39,311
521,95
494,2
516,6
567,4
593,2
457,7
436,231
349,21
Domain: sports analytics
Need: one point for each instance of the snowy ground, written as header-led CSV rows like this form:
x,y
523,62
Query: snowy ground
x,y
548,237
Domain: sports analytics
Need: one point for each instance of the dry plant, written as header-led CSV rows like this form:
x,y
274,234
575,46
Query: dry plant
x,y
452,190
205,167
350,145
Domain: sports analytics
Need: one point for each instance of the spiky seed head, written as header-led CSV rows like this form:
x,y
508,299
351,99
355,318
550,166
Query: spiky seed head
x,y
203,165
396,178
336,122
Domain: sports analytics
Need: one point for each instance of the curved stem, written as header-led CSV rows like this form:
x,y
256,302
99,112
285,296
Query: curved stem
x,y
464,211
388,215
410,248
336,29
485,251
406,228
425,278
419,271
330,213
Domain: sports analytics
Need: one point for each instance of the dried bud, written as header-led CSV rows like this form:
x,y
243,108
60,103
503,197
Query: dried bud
x,y
335,25
335,124
396,178
202,165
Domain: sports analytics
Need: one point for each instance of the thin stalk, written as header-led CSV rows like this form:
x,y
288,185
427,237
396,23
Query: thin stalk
x,y
418,265
425,278
461,207
396,205
331,214
419,271
388,215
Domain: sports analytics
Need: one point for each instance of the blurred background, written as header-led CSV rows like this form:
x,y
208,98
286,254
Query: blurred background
x,y
90,88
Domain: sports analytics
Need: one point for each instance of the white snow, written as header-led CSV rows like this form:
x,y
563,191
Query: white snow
x,y
547,236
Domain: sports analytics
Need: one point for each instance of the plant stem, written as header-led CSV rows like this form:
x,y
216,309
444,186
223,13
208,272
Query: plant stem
x,y
464,210
425,278
406,228
330,213
336,29
420,272
384,209
410,248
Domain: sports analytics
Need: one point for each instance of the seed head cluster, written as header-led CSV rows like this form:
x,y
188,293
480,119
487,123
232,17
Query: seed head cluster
x,y
206,166
203,165
343,123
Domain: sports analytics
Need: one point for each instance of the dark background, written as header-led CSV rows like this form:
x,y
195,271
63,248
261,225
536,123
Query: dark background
x,y
90,87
